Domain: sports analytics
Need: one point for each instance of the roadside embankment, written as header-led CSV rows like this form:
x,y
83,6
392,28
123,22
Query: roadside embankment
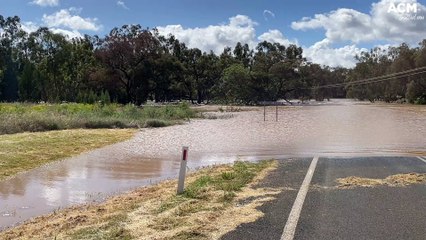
x,y
216,200
24,151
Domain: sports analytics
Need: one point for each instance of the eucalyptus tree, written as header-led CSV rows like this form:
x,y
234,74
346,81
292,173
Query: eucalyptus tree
x,y
202,72
53,64
275,69
237,85
243,54
373,63
128,54
405,60
11,35
284,79
416,88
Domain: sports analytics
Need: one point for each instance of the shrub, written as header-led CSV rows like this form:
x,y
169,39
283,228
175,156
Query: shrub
x,y
154,123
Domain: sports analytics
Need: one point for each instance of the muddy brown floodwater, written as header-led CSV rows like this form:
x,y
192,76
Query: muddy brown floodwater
x,y
336,128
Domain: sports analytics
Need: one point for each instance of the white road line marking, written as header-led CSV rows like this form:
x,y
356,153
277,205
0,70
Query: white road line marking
x,y
424,160
293,218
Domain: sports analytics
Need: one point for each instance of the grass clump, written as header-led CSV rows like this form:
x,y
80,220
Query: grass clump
x,y
24,151
196,189
155,123
223,185
112,229
191,235
23,117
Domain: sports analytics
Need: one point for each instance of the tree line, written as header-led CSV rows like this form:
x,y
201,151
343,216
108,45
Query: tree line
x,y
391,60
133,64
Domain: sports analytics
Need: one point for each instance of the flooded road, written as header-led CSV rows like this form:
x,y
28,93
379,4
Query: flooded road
x,y
338,128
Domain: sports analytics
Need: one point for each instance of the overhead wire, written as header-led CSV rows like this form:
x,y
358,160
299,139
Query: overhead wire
x,y
393,76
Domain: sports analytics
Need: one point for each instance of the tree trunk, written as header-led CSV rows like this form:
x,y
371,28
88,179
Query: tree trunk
x,y
199,96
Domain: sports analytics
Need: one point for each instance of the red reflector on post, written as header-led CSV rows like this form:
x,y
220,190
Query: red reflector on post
x,y
185,154
182,171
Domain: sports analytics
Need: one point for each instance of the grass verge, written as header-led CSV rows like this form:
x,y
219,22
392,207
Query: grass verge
x,y
216,201
23,117
24,151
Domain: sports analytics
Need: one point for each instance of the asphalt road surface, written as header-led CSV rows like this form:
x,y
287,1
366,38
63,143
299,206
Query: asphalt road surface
x,y
313,207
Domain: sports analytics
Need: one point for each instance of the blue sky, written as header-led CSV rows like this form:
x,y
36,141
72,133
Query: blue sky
x,y
331,32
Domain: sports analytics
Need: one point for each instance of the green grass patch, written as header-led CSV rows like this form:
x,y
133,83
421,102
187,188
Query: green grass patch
x,y
171,203
114,228
228,182
198,187
167,223
191,235
24,151
23,117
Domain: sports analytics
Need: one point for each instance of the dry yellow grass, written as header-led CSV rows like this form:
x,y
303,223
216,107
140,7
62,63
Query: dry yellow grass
x,y
206,218
396,180
23,151
141,214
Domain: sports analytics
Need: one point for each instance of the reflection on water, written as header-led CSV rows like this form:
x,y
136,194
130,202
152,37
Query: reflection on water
x,y
339,128
88,178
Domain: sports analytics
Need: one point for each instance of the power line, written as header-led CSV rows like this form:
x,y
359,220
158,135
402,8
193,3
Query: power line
x,y
375,81
407,73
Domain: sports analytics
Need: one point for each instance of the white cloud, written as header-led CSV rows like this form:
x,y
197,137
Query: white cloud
x,y
67,33
29,27
340,25
267,13
242,29
215,37
323,53
75,10
275,36
122,4
241,21
45,3
64,18
378,25
65,22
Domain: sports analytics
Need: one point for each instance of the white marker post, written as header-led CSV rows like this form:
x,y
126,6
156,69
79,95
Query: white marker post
x,y
182,171
276,113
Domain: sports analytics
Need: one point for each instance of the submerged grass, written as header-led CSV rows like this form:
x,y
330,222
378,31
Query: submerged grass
x,y
22,117
24,151
156,212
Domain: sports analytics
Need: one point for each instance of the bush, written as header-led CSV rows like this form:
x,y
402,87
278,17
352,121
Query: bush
x,y
421,100
154,123
416,91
